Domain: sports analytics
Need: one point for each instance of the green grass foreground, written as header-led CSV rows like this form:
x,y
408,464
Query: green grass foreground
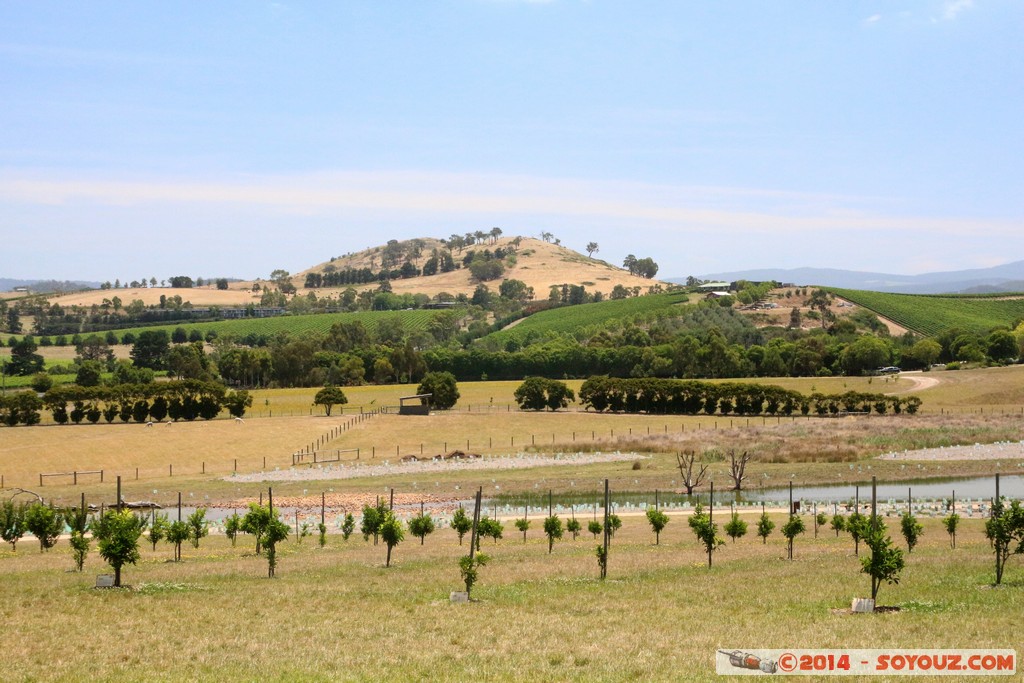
x,y
337,614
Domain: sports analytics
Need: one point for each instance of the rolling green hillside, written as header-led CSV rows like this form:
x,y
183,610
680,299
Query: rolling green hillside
x,y
294,324
931,314
573,318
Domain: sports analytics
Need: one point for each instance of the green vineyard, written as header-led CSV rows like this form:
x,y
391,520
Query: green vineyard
x,y
573,318
931,314
293,324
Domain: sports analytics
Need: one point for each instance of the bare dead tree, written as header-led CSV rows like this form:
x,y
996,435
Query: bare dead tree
x,y
686,461
737,468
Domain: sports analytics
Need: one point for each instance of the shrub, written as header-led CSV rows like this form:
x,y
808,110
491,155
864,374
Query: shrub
x,y
45,523
658,520
232,525
12,523
573,526
461,523
885,562
595,527
553,530
1004,529
764,527
736,527
118,533
488,527
791,529
523,524
348,526
911,529
198,528
177,533
392,532
838,523
421,525
705,530
951,523
158,529
469,566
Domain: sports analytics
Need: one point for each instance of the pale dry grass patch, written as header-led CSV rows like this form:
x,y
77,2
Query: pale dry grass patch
x,y
337,613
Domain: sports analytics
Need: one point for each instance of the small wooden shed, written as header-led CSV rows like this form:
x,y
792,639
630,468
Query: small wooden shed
x,y
421,407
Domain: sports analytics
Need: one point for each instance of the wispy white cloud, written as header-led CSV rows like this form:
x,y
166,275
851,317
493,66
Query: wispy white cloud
x,y
952,8
737,211
873,19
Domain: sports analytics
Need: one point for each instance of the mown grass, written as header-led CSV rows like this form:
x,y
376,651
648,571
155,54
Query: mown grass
x,y
337,614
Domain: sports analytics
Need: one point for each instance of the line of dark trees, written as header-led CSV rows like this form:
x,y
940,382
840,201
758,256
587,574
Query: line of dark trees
x,y
176,400
692,397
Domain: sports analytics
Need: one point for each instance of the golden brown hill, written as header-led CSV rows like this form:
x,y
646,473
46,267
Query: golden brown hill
x,y
538,263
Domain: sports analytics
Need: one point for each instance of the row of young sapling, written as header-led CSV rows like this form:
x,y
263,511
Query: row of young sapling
x,y
118,531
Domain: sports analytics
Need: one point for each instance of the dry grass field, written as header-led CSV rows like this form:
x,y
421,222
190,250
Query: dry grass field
x,y
198,296
338,614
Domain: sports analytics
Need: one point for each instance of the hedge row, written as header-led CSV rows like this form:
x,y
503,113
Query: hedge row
x,y
178,400
692,397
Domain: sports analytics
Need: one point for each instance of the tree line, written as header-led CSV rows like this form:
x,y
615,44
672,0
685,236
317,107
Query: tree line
x,y
691,397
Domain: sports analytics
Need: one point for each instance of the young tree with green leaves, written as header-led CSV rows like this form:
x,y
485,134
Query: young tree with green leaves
x,y
573,526
838,523
951,523
523,524
491,528
553,530
232,525
1005,530
77,519
45,523
705,530
158,529
469,568
322,539
911,529
820,519
856,524
614,524
275,532
392,532
791,529
765,526
658,521
735,527
198,528
348,526
177,533
255,522
117,532
595,527
885,562
421,526
461,523
373,517
12,523
602,560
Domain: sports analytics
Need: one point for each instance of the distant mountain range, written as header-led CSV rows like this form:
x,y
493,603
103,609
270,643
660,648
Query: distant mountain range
x,y
1008,277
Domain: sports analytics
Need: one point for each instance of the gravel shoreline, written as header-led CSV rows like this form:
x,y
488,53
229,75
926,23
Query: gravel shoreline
x,y
1005,450
358,470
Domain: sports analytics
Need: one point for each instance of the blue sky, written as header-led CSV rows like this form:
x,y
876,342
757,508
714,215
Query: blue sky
x,y
232,138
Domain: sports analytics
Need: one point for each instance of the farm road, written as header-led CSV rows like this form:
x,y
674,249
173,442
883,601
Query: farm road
x,y
920,382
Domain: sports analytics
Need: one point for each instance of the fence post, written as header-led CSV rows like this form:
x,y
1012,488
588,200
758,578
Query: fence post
x,y
170,470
